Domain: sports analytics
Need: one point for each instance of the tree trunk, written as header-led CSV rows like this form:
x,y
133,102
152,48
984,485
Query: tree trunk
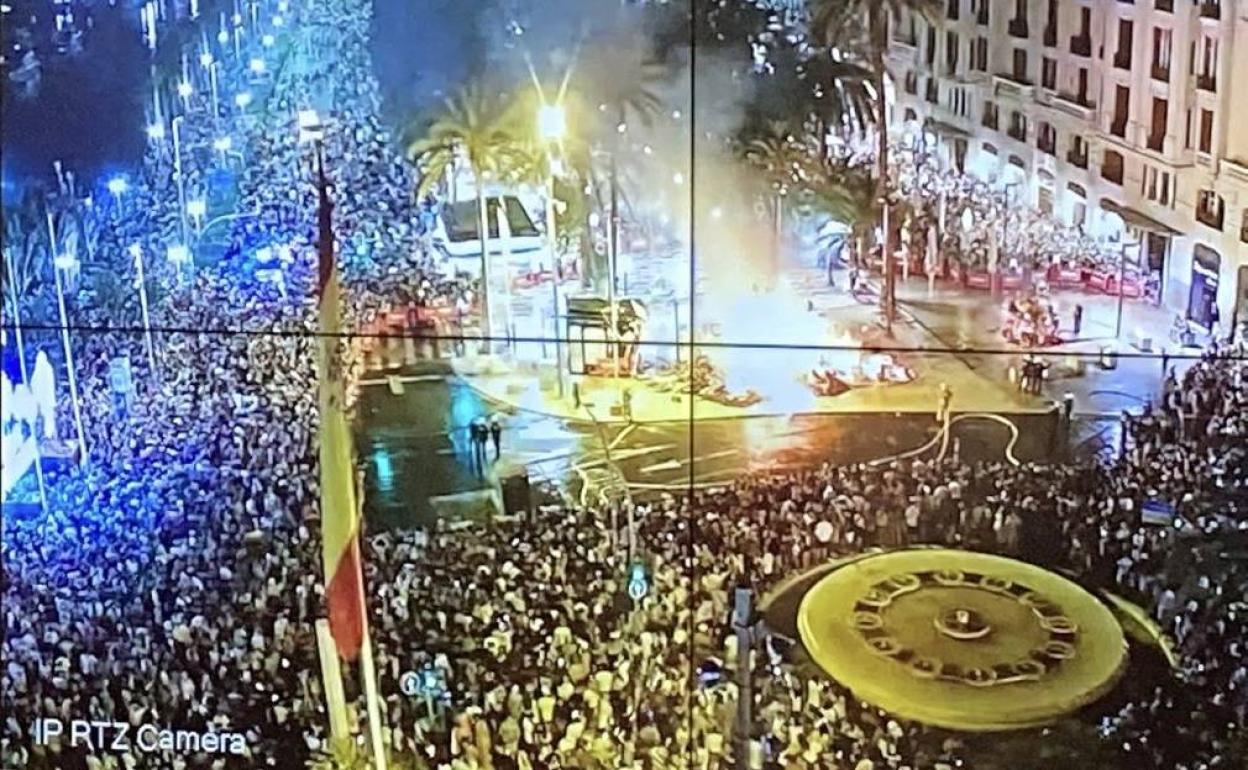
x,y
879,42
483,227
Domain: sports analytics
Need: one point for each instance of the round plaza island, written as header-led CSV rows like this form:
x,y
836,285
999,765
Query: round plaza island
x,y
962,640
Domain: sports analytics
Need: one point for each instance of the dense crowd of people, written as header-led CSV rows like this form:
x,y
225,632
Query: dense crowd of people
x,y
176,575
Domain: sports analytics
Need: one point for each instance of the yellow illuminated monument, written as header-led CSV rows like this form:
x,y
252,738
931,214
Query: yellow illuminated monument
x,y
962,640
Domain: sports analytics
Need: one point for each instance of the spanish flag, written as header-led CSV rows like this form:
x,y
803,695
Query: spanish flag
x,y
340,518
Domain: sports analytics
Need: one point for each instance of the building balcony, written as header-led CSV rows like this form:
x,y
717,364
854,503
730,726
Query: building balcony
x,y
1012,86
1076,105
1206,82
1019,28
1081,45
1210,9
1236,170
1160,72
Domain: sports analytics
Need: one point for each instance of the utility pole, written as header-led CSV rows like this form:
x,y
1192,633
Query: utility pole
x,y
741,623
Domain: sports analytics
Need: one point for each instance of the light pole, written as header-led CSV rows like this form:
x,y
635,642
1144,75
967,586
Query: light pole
x,y
177,172
1122,274
197,209
59,263
552,125
118,186
136,251
212,85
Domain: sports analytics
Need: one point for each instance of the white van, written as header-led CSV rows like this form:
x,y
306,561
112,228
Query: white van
x,y
516,235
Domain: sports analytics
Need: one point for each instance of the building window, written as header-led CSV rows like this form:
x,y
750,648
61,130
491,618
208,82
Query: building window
x,y
1162,40
1078,153
1112,167
1046,139
1243,227
1020,65
951,52
1157,133
979,59
1122,107
1126,29
1207,75
1018,24
990,115
1048,73
1018,126
1210,209
1155,185
1206,131
981,11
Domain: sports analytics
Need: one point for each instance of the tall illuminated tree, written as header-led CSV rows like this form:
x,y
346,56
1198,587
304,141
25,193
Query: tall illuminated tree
x,y
474,126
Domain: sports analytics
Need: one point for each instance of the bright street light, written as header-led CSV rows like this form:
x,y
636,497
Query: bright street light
x,y
267,41
310,128
197,208
222,144
185,90
156,132
117,186
223,37
65,262
552,122
278,21
205,60
242,99
178,253
257,65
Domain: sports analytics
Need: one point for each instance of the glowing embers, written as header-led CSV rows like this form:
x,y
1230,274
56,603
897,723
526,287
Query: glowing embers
x,y
961,640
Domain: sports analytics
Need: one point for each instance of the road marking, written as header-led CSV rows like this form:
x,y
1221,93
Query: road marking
x,y
621,435
410,378
669,465
673,464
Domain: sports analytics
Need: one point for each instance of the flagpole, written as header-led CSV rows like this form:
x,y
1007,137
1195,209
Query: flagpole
x,y
368,670
331,676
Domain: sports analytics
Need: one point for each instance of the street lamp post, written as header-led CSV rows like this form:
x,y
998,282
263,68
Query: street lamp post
x,y
136,251
177,173
552,124
212,85
59,263
117,186
1122,274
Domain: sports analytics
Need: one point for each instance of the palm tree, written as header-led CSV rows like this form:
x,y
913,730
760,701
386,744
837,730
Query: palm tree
x,y
836,23
625,83
472,127
787,164
25,252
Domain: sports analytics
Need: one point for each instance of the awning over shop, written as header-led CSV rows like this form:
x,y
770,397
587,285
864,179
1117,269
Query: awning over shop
x,y
1136,218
